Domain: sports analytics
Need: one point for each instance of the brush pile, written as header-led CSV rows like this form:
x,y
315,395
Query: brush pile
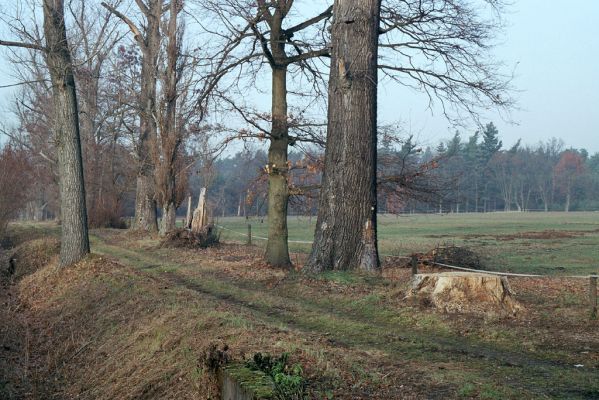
x,y
208,236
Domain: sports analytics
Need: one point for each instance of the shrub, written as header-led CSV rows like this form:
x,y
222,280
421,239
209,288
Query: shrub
x,y
288,381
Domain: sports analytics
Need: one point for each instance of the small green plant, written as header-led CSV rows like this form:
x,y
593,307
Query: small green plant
x,y
288,381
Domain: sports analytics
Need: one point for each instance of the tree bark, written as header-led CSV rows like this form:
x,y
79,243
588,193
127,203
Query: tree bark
x,y
168,223
74,237
145,199
346,235
170,135
145,205
277,251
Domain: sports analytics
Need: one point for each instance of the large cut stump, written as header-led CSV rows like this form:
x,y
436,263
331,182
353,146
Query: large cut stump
x,y
465,292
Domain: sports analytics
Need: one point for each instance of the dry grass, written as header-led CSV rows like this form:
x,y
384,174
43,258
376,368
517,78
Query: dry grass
x,y
138,321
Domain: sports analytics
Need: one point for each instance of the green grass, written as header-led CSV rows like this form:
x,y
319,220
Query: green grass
x,y
403,235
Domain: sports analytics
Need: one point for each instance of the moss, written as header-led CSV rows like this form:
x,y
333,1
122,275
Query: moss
x,y
256,382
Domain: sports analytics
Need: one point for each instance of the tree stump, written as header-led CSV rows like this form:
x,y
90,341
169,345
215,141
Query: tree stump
x,y
465,292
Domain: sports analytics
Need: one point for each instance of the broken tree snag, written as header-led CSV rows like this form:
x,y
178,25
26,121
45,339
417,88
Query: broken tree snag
x,y
465,292
200,215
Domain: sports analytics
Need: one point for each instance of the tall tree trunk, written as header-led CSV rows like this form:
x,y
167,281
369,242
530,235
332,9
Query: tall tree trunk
x,y
346,235
145,199
170,136
277,252
74,237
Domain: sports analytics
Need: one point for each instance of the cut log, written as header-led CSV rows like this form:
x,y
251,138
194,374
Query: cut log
x,y
200,215
465,292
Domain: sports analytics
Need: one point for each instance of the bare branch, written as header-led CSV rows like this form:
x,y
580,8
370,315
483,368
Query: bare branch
x,y
32,46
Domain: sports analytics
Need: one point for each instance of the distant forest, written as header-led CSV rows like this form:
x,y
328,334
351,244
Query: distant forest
x,y
475,173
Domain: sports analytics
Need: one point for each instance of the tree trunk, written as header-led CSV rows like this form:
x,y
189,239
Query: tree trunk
x,y
169,218
145,200
277,252
145,205
346,235
74,237
170,135
188,215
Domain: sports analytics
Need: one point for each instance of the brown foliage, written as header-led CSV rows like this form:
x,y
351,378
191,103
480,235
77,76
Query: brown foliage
x,y
15,177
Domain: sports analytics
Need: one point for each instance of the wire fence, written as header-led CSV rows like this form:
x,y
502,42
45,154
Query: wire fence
x,y
448,266
592,278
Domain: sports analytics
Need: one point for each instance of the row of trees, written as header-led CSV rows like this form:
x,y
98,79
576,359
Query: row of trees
x,y
147,96
473,175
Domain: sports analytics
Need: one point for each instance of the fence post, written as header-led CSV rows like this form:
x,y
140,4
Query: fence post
x,y
414,264
593,295
249,243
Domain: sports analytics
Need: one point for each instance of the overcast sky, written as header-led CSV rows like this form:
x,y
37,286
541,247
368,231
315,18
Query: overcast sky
x,y
553,47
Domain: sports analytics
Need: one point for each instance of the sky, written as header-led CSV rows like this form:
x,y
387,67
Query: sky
x,y
553,49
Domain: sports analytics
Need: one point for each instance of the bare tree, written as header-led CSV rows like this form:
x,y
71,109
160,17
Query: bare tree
x,y
439,47
148,38
283,48
75,240
94,37
170,136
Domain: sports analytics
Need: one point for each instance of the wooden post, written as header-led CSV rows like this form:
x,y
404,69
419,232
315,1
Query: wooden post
x,y
593,295
189,215
249,243
414,264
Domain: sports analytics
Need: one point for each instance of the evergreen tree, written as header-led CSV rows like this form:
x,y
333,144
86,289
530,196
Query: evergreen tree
x,y
491,143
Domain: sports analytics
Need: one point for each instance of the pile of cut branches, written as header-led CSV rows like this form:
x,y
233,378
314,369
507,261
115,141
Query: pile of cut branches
x,y
208,236
454,255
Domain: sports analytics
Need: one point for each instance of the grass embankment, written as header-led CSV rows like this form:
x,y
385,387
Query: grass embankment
x,y
554,243
140,328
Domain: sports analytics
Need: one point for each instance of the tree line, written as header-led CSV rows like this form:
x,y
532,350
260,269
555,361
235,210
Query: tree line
x,y
472,174
486,176
126,100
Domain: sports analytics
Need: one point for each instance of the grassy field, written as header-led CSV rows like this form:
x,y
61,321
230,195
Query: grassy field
x,y
553,243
